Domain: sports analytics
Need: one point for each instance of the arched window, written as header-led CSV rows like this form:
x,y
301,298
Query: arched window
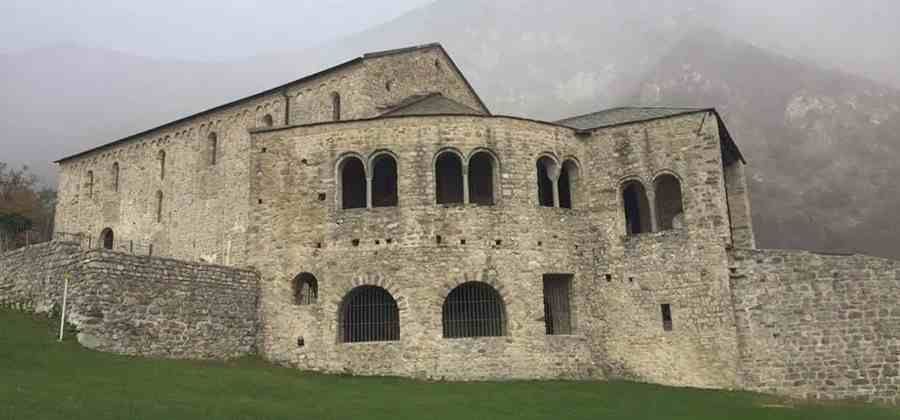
x,y
107,239
384,181
568,178
481,178
267,120
213,141
546,169
115,177
669,205
369,313
335,106
448,178
90,183
637,208
162,164
306,289
159,206
353,183
473,309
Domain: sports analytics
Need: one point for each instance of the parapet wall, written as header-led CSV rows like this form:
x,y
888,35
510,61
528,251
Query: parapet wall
x,y
818,326
138,305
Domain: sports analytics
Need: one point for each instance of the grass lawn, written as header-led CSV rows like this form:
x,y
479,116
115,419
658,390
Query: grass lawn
x,y
41,379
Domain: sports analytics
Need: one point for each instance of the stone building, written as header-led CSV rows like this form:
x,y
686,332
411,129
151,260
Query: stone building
x,y
398,227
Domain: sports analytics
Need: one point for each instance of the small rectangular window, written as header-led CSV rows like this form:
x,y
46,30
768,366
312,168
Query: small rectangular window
x,y
557,307
666,316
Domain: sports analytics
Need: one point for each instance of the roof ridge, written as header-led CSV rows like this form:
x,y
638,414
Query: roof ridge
x,y
356,60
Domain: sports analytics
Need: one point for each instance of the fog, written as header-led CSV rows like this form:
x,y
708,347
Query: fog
x,y
189,30
809,88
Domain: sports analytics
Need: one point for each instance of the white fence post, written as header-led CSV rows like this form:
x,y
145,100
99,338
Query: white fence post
x,y
62,318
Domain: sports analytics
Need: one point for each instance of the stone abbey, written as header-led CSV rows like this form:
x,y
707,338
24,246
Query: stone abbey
x,y
376,218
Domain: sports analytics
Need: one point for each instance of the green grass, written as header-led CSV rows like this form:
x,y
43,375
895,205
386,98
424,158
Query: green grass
x,y
42,379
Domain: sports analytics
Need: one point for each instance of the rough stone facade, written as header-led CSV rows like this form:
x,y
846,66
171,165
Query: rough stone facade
x,y
407,187
137,305
818,326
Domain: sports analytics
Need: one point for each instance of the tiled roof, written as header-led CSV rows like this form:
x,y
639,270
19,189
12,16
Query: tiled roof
x,y
429,104
622,115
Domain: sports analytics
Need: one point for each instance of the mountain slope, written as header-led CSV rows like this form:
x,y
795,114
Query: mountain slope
x,y
822,145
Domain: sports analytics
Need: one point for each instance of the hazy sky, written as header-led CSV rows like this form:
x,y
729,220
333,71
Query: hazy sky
x,y
189,29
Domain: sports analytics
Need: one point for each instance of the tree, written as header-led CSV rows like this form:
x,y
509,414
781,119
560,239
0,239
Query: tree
x,y
26,212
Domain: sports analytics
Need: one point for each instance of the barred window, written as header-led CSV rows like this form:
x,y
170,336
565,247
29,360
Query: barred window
x,y
306,289
557,307
473,309
369,313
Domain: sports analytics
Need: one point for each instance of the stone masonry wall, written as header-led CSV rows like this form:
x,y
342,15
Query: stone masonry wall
x,y
205,207
686,267
137,305
298,227
31,277
818,326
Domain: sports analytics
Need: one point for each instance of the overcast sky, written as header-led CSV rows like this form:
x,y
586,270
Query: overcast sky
x,y
189,29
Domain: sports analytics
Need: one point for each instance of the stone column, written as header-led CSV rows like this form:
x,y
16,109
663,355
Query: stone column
x,y
465,174
651,201
368,192
553,172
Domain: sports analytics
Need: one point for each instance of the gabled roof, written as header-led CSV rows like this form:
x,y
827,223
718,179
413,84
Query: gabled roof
x,y
624,115
429,104
285,86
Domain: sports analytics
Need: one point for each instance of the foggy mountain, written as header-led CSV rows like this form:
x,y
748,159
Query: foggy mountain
x,y
822,141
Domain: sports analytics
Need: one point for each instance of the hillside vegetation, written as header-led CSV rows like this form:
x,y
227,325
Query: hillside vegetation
x,y
43,379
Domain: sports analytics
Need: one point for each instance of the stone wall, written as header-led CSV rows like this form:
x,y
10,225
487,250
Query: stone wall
x,y
634,275
298,226
818,326
205,206
137,305
30,277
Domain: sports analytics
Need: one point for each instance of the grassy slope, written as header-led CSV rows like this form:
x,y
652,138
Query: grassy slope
x,y
42,379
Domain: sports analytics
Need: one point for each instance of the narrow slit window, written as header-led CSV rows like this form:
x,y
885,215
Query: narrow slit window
x,y
213,148
159,206
666,310
90,183
115,177
335,106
